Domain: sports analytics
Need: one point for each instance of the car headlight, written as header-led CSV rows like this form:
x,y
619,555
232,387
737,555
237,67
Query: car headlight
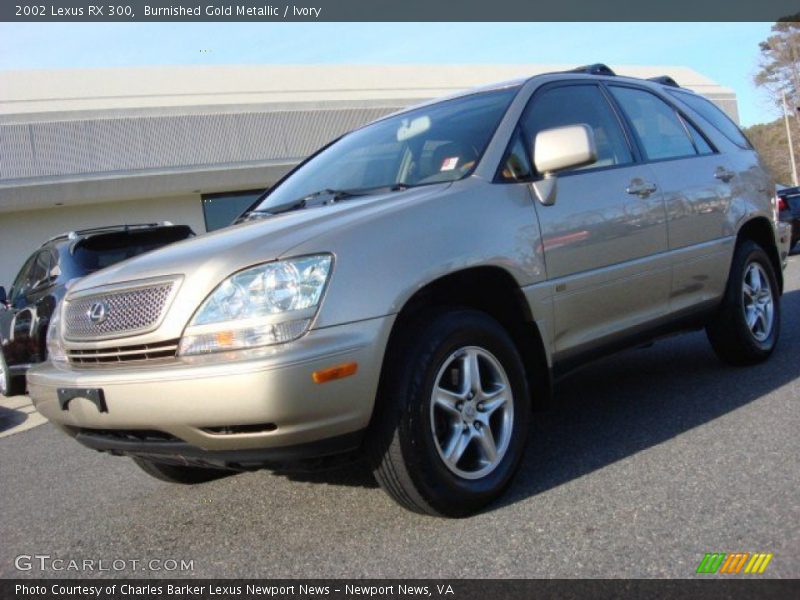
x,y
272,303
55,345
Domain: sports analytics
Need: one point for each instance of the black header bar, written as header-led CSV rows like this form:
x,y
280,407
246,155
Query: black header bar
x,y
396,10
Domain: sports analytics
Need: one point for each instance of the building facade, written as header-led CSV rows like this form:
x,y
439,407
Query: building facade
x,y
196,145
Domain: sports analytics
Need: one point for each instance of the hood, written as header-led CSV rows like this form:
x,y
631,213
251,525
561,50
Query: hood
x,y
218,254
203,262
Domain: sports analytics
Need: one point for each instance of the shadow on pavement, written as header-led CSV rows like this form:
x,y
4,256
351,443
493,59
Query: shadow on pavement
x,y
635,400
349,471
11,418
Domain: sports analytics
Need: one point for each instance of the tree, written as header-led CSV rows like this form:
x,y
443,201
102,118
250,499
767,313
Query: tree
x,y
779,67
769,140
779,75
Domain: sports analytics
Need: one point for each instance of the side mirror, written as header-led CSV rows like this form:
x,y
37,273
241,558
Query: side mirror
x,y
564,148
558,149
3,295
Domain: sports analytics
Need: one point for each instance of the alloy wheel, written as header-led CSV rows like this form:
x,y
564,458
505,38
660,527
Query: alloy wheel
x,y
759,310
472,412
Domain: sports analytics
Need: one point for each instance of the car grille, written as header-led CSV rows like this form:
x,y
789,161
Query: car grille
x,y
127,311
123,354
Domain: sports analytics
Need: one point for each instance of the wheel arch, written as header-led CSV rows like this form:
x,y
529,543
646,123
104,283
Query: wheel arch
x,y
494,291
760,230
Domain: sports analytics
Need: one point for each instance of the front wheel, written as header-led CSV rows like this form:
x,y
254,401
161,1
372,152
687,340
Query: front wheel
x,y
452,415
746,327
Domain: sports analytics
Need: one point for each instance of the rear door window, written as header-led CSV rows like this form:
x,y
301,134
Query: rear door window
x,y
657,125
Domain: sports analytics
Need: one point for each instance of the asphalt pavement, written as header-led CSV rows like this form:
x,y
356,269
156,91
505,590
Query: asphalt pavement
x,y
654,457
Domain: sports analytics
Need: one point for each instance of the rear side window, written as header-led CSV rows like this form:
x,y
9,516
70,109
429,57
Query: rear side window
x,y
41,268
579,104
700,143
22,282
656,124
714,115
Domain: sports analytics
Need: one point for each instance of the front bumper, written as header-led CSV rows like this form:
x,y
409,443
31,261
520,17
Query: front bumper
x,y
224,403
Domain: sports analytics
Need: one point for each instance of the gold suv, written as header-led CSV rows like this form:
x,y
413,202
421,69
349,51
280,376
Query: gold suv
x,y
412,289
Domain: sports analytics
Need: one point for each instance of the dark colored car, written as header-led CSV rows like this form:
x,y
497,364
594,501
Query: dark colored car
x,y
45,277
789,210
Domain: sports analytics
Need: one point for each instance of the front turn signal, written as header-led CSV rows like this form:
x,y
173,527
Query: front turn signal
x,y
333,373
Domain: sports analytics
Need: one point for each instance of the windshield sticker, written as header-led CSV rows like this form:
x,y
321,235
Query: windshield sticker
x,y
448,164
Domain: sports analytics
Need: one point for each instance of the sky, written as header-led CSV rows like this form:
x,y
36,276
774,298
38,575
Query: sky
x,y
725,52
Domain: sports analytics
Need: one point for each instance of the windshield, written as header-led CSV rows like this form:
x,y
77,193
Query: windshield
x,y
432,144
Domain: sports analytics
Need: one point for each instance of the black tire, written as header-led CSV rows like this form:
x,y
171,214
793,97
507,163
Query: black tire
x,y
179,473
13,386
728,331
401,444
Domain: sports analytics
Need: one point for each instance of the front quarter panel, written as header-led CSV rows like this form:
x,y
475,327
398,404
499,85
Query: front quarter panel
x,y
383,260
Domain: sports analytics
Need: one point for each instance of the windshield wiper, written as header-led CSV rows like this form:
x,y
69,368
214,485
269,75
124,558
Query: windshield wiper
x,y
335,196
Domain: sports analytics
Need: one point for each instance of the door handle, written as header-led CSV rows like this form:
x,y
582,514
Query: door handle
x,y
641,188
723,174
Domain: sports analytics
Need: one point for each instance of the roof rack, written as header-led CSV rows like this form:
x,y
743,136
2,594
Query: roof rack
x,y
73,235
664,80
595,69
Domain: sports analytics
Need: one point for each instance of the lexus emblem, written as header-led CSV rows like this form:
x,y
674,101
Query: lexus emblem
x,y
98,312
